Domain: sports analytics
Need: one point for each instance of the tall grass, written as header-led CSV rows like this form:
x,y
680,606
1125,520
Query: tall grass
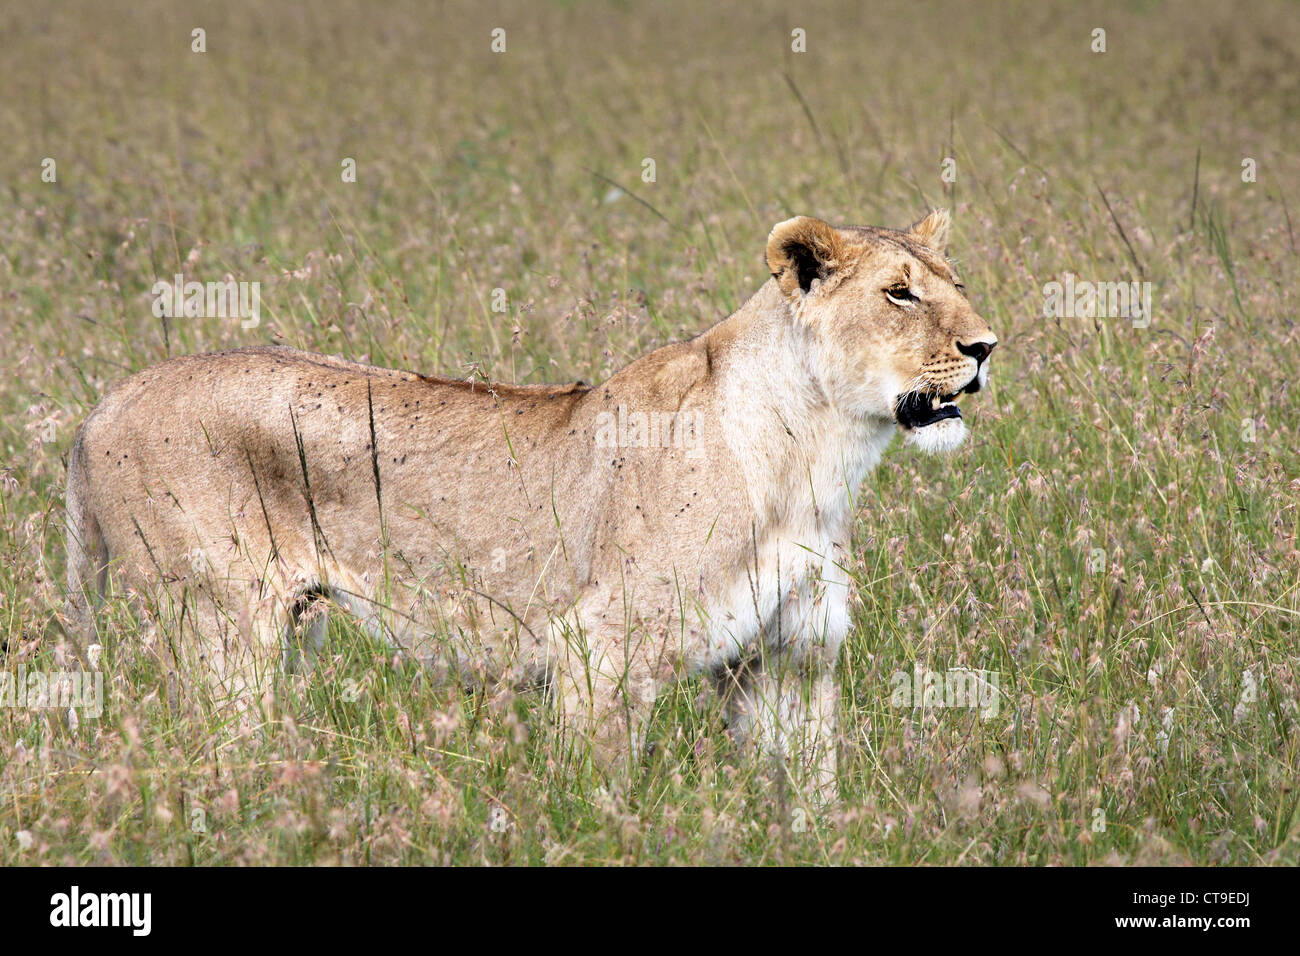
x,y
1117,542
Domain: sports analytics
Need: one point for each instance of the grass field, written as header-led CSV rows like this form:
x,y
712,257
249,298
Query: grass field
x,y
1117,542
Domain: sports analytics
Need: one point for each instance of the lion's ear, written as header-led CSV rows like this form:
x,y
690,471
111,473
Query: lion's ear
x,y
932,231
800,250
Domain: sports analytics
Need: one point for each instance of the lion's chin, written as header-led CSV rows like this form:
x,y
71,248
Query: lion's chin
x,y
937,439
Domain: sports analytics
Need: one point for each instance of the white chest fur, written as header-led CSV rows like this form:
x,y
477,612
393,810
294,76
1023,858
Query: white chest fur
x,y
793,593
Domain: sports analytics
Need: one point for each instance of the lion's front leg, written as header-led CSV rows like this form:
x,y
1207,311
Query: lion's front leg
x,y
785,699
604,689
789,711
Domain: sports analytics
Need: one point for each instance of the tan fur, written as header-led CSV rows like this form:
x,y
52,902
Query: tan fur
x,y
493,531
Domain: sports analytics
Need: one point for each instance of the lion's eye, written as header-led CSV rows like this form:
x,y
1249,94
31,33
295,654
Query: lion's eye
x,y
900,294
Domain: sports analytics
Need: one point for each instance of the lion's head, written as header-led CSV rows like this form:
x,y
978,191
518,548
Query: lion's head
x,y
896,337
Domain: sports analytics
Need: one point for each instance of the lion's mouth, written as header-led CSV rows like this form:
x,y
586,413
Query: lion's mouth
x,y
918,409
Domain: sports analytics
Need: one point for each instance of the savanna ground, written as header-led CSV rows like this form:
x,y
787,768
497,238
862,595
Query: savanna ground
x,y
1117,542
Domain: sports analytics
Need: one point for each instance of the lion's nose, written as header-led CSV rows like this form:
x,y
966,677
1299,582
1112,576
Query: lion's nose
x,y
979,351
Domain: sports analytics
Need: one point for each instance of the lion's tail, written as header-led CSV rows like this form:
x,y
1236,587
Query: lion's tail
x,y
87,552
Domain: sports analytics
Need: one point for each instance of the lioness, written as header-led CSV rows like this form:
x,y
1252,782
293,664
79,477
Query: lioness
x,y
690,515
